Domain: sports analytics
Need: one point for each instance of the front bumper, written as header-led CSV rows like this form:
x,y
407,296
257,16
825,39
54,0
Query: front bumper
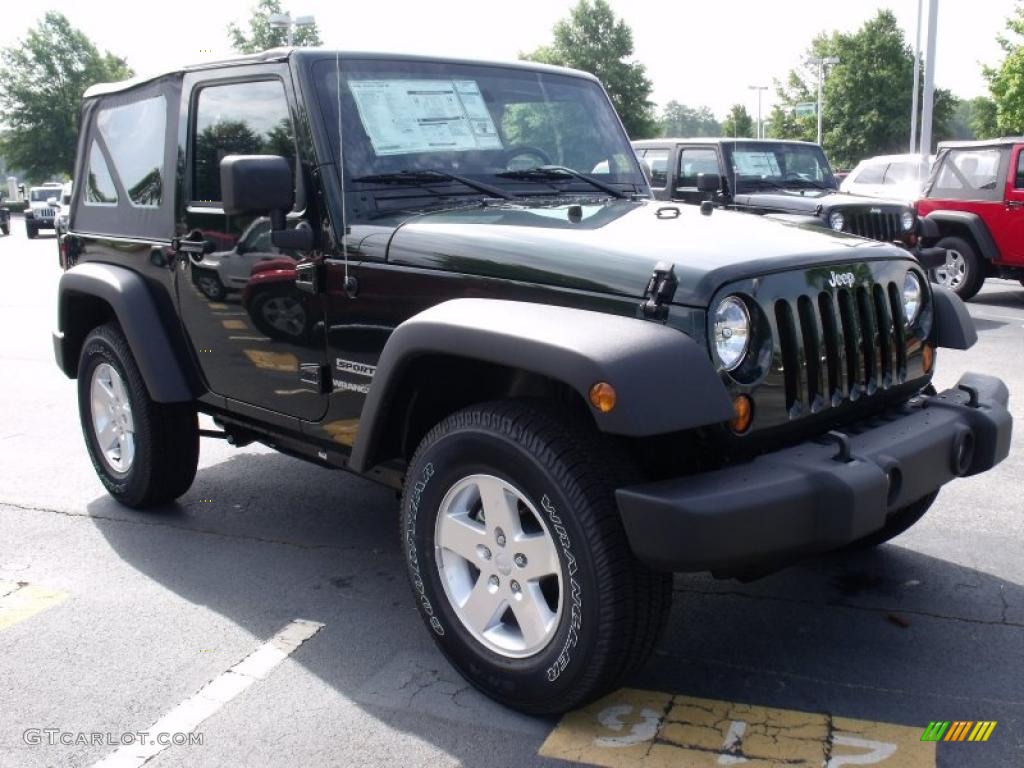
x,y
819,495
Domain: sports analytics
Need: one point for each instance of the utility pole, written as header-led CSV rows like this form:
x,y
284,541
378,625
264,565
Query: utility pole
x,y
760,89
929,80
917,80
822,62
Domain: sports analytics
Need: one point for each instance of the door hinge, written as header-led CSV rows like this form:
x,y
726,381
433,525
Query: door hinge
x,y
661,288
309,277
318,375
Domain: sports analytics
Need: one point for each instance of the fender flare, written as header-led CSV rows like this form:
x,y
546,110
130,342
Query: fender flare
x,y
954,326
664,380
974,224
134,306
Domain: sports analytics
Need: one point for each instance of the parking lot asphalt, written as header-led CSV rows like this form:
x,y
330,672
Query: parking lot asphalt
x,y
269,610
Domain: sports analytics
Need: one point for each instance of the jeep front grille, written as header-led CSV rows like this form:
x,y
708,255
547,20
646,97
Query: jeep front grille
x,y
43,213
836,346
876,226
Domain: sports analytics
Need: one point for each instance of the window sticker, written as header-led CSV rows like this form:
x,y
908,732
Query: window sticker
x,y
406,116
756,163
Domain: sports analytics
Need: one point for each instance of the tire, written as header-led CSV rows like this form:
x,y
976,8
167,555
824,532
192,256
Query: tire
x,y
157,463
964,272
897,522
5,228
605,610
31,231
209,284
280,315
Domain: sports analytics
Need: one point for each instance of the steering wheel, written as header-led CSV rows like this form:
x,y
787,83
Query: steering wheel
x,y
523,151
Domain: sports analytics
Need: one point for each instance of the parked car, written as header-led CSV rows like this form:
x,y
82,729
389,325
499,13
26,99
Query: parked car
x,y
577,389
788,180
41,211
229,270
5,218
60,220
897,177
975,196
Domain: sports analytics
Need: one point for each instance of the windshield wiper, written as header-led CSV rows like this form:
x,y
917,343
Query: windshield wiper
x,y
759,183
811,183
424,177
554,172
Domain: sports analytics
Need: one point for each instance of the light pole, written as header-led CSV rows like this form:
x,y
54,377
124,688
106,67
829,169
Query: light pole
x,y
285,21
928,99
917,81
759,89
822,62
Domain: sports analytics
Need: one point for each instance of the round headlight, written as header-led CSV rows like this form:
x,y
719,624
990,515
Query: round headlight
x,y
837,221
732,331
912,295
907,220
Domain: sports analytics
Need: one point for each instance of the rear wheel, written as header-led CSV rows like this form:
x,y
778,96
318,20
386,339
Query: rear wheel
x,y
518,559
144,452
963,273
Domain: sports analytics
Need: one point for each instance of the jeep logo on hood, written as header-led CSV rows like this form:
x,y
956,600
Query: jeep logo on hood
x,y
841,279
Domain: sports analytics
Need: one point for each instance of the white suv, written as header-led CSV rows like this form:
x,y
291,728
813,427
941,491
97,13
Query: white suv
x,y
895,177
41,212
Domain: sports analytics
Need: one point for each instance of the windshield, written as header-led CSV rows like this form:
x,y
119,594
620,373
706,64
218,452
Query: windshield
x,y
760,165
477,122
42,195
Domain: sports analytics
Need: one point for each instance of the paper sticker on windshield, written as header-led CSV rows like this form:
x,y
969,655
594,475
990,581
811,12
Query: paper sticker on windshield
x,y
406,116
755,163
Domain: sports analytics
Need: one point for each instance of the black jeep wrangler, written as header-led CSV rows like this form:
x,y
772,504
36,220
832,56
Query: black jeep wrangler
x,y
577,392
788,180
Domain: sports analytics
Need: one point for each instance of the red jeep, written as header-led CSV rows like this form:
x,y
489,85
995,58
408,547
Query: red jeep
x,y
976,197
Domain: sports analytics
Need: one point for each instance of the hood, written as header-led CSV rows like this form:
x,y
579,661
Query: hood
x,y
811,200
613,247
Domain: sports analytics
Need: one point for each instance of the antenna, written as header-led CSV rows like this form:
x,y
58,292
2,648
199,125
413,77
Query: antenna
x,y
341,175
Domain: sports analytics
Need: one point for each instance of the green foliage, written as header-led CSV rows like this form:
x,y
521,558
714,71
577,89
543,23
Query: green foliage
x,y
738,123
593,40
974,119
867,94
1006,82
262,36
679,120
44,77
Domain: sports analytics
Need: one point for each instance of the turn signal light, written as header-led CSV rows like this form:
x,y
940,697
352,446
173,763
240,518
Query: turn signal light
x,y
743,407
928,357
602,396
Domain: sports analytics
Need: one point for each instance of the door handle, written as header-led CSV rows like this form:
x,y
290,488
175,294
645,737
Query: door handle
x,y
194,246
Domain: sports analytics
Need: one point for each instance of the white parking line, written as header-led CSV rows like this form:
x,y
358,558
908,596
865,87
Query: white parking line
x,y
188,715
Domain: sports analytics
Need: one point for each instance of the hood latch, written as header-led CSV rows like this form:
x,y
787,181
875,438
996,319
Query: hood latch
x,y
660,290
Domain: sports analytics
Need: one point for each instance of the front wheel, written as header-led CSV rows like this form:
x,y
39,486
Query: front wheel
x,y
963,273
144,452
31,231
519,563
5,228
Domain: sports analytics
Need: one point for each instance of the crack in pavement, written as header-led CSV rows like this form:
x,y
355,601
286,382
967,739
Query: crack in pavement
x,y
1003,622
186,529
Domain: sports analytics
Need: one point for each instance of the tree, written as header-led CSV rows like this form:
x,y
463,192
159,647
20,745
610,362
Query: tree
x,y
867,94
974,119
44,78
262,36
1006,82
683,121
593,40
738,123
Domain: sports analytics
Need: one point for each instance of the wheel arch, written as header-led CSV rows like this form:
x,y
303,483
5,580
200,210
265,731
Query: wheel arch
x,y
91,294
969,226
470,350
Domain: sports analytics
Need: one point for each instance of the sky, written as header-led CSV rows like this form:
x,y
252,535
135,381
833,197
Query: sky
x,y
696,52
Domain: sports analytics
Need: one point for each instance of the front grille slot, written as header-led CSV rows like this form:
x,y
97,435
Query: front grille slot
x,y
875,226
842,345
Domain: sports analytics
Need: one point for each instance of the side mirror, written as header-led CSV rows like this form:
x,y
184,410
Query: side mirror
x,y
708,182
263,184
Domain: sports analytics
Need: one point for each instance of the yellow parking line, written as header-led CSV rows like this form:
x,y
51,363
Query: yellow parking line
x,y
235,325
217,305
650,729
272,361
20,601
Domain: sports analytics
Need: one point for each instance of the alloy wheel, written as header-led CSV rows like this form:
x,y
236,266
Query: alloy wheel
x,y
112,421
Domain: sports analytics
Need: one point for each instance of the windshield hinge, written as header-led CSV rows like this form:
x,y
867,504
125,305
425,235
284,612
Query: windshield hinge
x,y
660,290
